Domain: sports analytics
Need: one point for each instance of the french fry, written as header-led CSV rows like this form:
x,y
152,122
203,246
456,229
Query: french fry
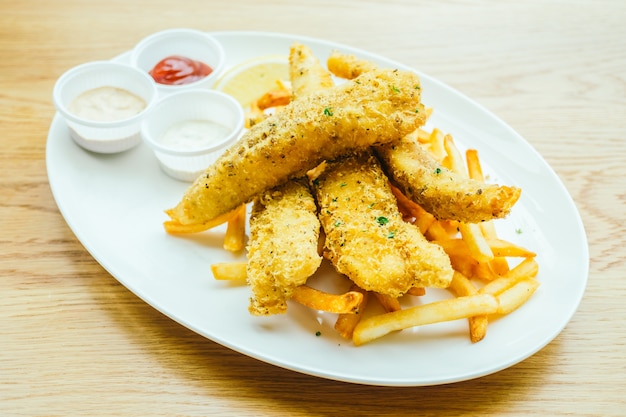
x,y
485,271
417,291
478,327
454,247
464,264
460,256
423,219
528,268
273,99
474,167
235,237
174,227
504,248
478,246
512,298
498,247
462,259
346,322
462,286
387,302
436,231
498,265
450,226
439,311
453,159
489,230
229,271
435,143
348,302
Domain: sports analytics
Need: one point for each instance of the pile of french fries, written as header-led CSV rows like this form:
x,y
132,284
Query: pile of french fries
x,y
492,276
484,284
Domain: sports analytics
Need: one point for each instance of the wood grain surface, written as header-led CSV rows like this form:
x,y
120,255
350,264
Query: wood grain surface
x,y
73,341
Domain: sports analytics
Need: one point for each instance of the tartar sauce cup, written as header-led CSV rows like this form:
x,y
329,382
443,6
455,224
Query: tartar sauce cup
x,y
190,129
104,134
190,44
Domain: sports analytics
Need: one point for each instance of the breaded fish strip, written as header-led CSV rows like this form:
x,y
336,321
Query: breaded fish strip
x,y
348,66
441,192
284,228
377,107
283,246
366,238
306,73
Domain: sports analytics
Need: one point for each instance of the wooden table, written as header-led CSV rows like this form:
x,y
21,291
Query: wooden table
x,y
73,341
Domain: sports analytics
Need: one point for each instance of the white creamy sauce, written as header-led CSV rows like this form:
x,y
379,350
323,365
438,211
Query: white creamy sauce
x,y
193,134
106,104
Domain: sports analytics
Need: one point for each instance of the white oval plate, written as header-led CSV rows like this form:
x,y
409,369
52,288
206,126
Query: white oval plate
x,y
114,204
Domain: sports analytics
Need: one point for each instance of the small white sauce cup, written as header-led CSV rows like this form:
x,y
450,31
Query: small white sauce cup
x,y
190,43
188,105
103,136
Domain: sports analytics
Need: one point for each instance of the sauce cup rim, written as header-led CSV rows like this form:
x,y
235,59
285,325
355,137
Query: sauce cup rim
x,y
102,66
220,144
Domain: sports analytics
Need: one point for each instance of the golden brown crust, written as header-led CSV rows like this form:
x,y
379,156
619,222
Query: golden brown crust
x,y
306,73
282,250
376,108
284,220
366,238
443,193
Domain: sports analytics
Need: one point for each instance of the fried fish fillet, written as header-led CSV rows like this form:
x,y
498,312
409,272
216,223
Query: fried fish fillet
x,y
443,193
306,73
366,238
283,246
439,191
378,107
284,228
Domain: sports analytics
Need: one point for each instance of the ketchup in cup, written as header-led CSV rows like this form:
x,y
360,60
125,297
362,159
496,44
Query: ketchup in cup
x,y
178,70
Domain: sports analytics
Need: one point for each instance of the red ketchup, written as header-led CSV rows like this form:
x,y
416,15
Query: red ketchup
x,y
177,70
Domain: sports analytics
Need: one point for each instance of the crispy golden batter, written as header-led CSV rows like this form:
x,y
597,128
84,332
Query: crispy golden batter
x,y
348,66
441,192
366,238
284,219
306,73
282,250
377,107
